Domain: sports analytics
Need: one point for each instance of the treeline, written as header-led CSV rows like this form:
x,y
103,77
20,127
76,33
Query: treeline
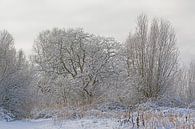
x,y
70,67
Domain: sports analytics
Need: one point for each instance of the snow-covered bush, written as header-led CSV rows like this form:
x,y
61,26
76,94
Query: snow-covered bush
x,y
6,115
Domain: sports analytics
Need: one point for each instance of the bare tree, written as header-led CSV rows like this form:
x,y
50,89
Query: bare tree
x,y
152,56
191,82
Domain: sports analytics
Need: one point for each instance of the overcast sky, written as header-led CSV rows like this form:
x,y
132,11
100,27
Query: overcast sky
x,y
24,19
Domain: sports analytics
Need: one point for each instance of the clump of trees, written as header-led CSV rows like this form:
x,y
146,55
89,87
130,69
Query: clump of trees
x,y
73,67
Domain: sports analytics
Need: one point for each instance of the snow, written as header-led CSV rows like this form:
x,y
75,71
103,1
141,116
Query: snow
x,y
159,117
68,124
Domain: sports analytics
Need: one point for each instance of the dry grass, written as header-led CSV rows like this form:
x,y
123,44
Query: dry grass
x,y
153,120
143,119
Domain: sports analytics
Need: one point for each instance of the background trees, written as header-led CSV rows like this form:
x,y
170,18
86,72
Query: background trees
x,y
186,82
75,66
72,67
191,83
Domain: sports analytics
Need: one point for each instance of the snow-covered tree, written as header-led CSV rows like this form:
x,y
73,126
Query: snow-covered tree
x,y
82,59
15,77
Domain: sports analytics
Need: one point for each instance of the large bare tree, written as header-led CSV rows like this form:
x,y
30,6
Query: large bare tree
x,y
152,56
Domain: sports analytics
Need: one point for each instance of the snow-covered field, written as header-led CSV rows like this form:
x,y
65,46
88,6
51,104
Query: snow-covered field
x,y
68,124
161,118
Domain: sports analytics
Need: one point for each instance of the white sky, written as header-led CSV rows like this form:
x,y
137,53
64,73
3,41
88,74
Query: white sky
x,y
24,19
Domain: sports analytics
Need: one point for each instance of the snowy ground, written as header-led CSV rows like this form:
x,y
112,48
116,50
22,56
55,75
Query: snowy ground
x,y
68,124
158,118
